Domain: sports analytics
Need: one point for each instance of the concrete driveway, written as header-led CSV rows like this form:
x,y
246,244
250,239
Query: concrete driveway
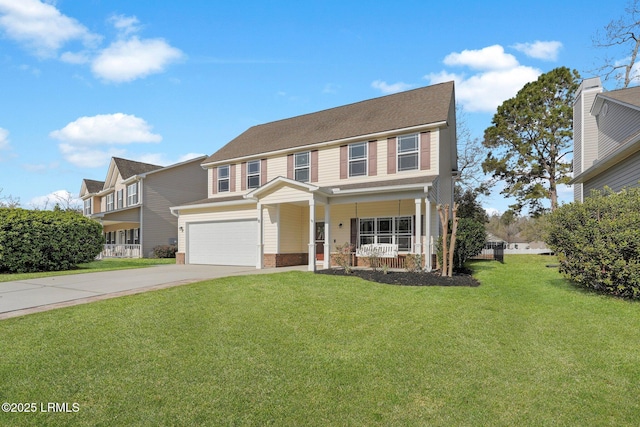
x,y
29,296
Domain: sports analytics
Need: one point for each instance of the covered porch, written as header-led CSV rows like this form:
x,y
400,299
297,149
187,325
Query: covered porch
x,y
122,234
299,223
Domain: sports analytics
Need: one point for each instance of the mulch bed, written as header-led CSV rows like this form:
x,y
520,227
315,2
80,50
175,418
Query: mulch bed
x,y
404,278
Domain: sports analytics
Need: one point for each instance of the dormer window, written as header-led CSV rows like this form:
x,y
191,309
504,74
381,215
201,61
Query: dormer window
x,y
302,166
223,179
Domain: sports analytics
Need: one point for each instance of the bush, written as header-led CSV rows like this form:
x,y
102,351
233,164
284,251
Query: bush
x,y
598,243
32,241
343,256
470,239
413,263
165,251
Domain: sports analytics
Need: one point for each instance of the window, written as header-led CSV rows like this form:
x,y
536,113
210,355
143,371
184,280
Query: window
x,y
132,236
253,174
358,159
132,194
408,148
120,199
394,230
109,203
302,167
223,179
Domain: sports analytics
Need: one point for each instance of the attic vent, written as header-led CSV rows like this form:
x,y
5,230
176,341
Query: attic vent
x,y
605,109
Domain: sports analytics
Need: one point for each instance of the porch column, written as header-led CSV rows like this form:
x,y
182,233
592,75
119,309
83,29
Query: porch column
x,y
259,249
427,232
312,235
418,242
327,236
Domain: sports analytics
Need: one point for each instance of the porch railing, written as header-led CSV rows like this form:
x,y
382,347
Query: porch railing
x,y
121,251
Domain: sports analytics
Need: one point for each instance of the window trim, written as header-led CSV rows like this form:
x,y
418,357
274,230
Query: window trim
x,y
400,154
120,199
364,158
297,168
254,175
87,207
109,202
388,237
132,196
222,180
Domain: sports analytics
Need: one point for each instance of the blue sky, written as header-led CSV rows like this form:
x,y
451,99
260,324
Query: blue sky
x,y
161,81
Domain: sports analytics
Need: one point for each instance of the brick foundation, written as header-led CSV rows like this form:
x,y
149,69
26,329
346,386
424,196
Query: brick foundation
x,y
284,260
180,258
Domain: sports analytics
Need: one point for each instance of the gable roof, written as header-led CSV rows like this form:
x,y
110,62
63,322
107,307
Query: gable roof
x,y
129,168
630,95
402,110
93,186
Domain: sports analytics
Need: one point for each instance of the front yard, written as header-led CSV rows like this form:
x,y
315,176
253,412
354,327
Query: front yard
x,y
524,348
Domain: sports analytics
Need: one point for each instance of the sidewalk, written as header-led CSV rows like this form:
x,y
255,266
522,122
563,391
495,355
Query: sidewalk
x,y
30,296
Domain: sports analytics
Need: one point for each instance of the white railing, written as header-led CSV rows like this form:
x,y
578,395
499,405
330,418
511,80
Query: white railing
x,y
380,250
121,251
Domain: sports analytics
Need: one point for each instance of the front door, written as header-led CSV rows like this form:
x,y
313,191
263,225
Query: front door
x,y
319,241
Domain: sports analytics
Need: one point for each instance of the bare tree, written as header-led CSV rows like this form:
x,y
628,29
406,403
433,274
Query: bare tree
x,y
471,153
9,201
621,39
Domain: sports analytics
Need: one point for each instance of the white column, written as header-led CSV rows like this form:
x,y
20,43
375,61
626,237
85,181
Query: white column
x,y
259,250
312,235
427,232
327,236
418,242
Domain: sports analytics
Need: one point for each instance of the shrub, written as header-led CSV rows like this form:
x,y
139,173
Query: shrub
x,y
343,257
165,251
32,241
470,239
413,263
598,243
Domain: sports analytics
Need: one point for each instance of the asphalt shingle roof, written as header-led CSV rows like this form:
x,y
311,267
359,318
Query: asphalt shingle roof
x,y
630,95
387,113
129,168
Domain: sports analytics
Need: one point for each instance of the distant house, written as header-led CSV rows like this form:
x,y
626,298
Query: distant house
x,y
133,203
287,192
606,138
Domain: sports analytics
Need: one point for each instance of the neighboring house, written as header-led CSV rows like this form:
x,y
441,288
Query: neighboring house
x,y
606,129
133,203
287,192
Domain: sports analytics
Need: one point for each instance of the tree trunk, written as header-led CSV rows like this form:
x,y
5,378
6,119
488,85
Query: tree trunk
x,y
444,219
452,243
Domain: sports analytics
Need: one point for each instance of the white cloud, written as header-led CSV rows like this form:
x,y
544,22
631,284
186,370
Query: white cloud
x,y
88,141
4,139
115,128
127,60
41,27
387,88
77,58
63,198
125,25
492,211
499,78
488,58
547,51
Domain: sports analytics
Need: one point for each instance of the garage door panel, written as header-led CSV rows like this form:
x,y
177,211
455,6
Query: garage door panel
x,y
222,243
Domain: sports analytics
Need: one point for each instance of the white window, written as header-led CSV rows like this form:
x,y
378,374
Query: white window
x,y
358,159
223,179
302,166
408,152
395,230
120,199
87,207
109,204
132,194
253,174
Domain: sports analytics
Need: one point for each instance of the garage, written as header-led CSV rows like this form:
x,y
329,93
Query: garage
x,y
222,242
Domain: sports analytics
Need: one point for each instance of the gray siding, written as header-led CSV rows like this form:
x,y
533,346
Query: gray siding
x,y
624,174
618,124
585,131
170,187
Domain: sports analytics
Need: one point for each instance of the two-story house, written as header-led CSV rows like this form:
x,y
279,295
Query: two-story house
x,y
606,138
134,200
288,192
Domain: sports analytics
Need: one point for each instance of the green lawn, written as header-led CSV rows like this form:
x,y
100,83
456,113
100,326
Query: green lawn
x,y
297,349
93,267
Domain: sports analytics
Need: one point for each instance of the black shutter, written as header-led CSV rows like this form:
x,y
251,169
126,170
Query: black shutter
x,y
354,233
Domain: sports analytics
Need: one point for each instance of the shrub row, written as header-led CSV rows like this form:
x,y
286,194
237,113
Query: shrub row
x,y
165,251
598,242
32,241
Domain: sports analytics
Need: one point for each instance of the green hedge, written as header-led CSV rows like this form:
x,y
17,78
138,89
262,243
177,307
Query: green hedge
x,y
470,239
598,242
32,241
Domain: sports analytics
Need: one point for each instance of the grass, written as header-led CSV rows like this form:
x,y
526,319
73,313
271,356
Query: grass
x,y
92,267
289,349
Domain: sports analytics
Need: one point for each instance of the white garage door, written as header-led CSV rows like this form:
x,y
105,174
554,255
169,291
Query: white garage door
x,y
222,243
